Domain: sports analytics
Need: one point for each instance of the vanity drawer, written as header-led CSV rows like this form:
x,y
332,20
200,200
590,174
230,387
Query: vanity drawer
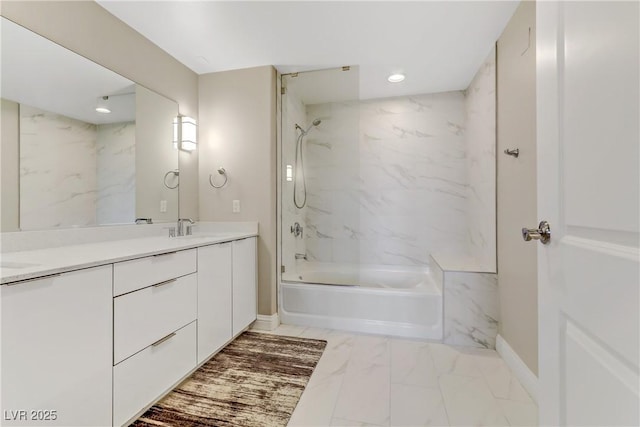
x,y
141,379
139,273
145,316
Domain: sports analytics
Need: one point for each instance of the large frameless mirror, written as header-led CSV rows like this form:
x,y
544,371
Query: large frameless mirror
x,y
81,145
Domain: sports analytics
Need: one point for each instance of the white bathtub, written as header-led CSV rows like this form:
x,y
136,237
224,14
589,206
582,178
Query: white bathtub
x,y
390,300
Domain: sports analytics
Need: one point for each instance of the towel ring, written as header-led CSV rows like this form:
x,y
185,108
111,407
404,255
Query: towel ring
x,y
176,173
222,172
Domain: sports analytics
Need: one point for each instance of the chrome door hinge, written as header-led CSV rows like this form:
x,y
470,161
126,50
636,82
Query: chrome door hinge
x,y
282,269
283,90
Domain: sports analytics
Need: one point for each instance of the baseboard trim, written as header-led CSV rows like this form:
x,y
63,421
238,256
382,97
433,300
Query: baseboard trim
x,y
527,378
266,323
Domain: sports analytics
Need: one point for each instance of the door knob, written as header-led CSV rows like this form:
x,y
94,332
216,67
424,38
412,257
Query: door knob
x,y
542,233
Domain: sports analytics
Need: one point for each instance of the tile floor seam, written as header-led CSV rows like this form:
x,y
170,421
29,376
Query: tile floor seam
x,y
335,405
444,404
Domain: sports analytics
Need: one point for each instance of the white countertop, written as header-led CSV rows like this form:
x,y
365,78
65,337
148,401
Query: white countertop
x,y
16,266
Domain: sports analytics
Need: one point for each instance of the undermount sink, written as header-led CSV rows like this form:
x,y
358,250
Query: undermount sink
x,y
17,265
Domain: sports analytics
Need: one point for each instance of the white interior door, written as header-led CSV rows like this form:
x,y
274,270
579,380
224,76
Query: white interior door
x,y
588,187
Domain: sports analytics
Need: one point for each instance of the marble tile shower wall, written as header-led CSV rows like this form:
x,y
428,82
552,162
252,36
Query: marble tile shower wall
x,y
388,180
481,164
56,188
293,111
116,173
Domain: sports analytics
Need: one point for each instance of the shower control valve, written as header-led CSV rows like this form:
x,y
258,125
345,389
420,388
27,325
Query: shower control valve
x,y
296,230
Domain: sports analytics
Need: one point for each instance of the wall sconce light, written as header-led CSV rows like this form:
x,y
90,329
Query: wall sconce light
x,y
102,106
189,131
176,132
289,173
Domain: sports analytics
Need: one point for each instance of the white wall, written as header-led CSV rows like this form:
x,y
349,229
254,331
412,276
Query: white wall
x,y
481,164
237,132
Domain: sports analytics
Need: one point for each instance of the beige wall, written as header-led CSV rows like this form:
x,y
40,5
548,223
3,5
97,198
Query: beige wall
x,y
89,30
9,160
517,260
238,132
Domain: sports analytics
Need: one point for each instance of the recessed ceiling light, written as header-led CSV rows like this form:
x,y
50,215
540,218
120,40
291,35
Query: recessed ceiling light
x,y
102,105
396,78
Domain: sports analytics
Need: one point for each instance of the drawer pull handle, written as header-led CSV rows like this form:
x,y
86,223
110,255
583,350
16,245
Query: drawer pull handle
x,y
166,282
48,276
161,340
165,254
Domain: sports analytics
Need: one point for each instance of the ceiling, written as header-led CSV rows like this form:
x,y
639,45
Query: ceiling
x,y
42,74
439,45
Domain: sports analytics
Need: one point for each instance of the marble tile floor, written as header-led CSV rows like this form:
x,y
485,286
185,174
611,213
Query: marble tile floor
x,y
366,380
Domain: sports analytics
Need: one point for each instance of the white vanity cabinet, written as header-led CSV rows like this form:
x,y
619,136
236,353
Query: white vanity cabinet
x,y
214,298
227,292
57,349
97,346
245,307
154,336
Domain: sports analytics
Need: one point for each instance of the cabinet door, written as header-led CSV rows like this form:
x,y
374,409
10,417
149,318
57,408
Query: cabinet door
x,y
244,283
214,298
57,349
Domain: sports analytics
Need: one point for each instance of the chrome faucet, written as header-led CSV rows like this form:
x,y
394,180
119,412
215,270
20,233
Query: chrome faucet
x,y
180,228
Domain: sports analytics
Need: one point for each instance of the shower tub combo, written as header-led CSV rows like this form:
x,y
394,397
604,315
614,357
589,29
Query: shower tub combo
x,y
391,300
404,163
402,301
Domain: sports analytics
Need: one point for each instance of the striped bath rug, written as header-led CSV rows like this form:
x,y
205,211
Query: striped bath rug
x,y
256,380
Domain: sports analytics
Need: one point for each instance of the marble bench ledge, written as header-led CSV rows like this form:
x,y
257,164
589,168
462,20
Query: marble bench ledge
x,y
470,291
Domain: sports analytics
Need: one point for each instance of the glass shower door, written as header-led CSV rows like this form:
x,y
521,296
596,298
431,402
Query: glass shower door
x,y
320,165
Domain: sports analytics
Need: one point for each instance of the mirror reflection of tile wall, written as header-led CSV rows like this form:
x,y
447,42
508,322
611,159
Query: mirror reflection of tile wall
x,y
74,173
63,163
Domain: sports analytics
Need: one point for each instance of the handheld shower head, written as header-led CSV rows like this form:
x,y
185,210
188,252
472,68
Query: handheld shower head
x,y
315,123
